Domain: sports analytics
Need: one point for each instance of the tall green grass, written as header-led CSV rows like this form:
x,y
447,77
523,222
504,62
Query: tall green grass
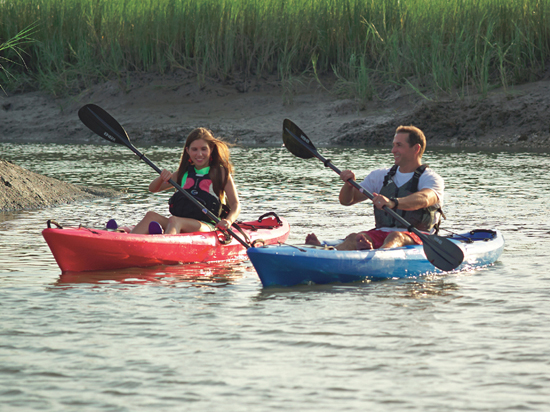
x,y
14,46
437,46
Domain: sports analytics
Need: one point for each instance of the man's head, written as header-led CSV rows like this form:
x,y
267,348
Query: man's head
x,y
408,147
415,136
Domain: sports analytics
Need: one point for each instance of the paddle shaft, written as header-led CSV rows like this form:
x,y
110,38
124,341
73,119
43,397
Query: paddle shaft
x,y
113,135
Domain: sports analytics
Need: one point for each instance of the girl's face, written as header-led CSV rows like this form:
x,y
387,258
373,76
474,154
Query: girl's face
x,y
199,153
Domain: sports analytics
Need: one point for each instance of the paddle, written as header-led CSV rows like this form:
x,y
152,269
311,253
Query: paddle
x,y
103,124
441,252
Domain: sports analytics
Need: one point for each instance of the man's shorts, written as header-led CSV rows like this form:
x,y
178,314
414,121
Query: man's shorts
x,y
378,237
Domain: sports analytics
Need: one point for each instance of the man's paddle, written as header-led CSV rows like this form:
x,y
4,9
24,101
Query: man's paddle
x,y
103,124
441,252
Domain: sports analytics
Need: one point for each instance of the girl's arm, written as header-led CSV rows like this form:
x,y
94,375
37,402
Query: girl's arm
x,y
233,203
161,182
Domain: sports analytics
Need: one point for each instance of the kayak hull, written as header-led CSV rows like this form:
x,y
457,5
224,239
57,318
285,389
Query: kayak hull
x,y
291,265
82,249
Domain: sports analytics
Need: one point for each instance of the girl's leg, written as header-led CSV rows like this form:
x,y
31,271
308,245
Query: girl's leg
x,y
143,226
185,225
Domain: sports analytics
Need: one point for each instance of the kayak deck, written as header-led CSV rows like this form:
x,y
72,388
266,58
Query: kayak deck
x,y
292,265
83,249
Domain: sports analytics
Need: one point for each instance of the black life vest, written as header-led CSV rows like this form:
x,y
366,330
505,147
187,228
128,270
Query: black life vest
x,y
422,219
200,187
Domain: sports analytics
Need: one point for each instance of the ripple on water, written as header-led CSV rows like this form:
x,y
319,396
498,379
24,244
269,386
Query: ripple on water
x,y
208,337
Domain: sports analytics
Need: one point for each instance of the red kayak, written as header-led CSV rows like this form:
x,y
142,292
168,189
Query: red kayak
x,y
83,249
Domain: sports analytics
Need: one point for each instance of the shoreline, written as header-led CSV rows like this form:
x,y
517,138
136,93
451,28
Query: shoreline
x,y
157,109
21,189
164,109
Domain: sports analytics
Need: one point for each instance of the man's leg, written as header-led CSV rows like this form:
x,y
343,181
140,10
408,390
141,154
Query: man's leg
x,y
397,239
312,239
356,241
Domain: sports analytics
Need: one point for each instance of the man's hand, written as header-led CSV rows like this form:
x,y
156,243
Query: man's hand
x,y
380,201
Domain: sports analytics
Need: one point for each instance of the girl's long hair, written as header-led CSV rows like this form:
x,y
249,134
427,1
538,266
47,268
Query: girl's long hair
x,y
220,164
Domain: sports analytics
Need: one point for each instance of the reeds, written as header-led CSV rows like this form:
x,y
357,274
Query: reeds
x,y
14,46
438,46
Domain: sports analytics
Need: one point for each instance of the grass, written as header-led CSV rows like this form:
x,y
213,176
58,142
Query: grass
x,y
14,45
434,46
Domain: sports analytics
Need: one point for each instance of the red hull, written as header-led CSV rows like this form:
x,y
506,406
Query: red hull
x,y
82,249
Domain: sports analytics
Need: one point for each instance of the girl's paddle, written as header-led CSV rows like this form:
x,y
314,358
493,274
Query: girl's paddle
x,y
103,124
441,252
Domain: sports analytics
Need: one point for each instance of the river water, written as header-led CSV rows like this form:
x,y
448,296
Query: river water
x,y
210,338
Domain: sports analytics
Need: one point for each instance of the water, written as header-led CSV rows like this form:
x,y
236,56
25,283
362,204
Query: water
x,y
209,338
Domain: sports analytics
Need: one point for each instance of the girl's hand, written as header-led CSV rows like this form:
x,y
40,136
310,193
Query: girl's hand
x,y
223,224
165,175
161,181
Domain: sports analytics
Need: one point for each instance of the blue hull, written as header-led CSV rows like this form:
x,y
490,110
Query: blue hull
x,y
292,265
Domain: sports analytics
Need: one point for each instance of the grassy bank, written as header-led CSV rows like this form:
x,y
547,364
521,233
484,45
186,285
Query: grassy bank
x,y
442,46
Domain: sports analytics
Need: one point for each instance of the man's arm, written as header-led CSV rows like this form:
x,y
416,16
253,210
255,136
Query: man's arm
x,y
349,195
419,200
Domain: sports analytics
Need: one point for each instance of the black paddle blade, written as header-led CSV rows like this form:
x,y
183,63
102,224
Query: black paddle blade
x,y
296,141
442,253
103,124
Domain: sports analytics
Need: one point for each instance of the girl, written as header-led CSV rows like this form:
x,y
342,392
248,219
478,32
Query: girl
x,y
205,172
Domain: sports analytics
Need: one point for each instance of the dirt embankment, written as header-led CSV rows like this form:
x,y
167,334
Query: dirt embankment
x,y
517,118
23,189
163,109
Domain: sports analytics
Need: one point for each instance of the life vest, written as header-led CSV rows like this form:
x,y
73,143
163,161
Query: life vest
x,y
422,219
201,188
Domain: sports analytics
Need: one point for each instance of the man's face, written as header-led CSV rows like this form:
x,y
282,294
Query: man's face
x,y
403,154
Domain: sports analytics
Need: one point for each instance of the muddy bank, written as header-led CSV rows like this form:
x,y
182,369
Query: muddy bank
x,y
22,189
515,118
163,109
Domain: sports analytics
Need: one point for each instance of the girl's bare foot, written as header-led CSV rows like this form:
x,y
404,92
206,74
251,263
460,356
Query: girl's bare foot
x,y
311,239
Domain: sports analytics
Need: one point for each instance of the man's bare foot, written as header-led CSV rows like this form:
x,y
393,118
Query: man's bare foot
x,y
362,242
311,239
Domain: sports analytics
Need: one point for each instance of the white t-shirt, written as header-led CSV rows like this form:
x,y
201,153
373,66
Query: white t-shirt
x,y
428,180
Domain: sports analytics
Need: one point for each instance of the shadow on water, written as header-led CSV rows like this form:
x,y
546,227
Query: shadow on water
x,y
194,274
424,287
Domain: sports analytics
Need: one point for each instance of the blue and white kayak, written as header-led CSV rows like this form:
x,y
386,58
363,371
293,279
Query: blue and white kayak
x,y
285,265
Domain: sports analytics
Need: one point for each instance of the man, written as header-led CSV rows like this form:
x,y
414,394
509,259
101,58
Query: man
x,y
411,189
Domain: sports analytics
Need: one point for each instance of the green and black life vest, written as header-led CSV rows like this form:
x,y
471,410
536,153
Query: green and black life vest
x,y
200,187
422,219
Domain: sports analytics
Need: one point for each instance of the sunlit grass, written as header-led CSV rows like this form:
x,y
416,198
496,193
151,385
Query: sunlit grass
x,y
434,46
15,46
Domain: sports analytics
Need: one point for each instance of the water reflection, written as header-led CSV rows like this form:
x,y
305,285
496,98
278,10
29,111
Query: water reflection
x,y
425,287
194,274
